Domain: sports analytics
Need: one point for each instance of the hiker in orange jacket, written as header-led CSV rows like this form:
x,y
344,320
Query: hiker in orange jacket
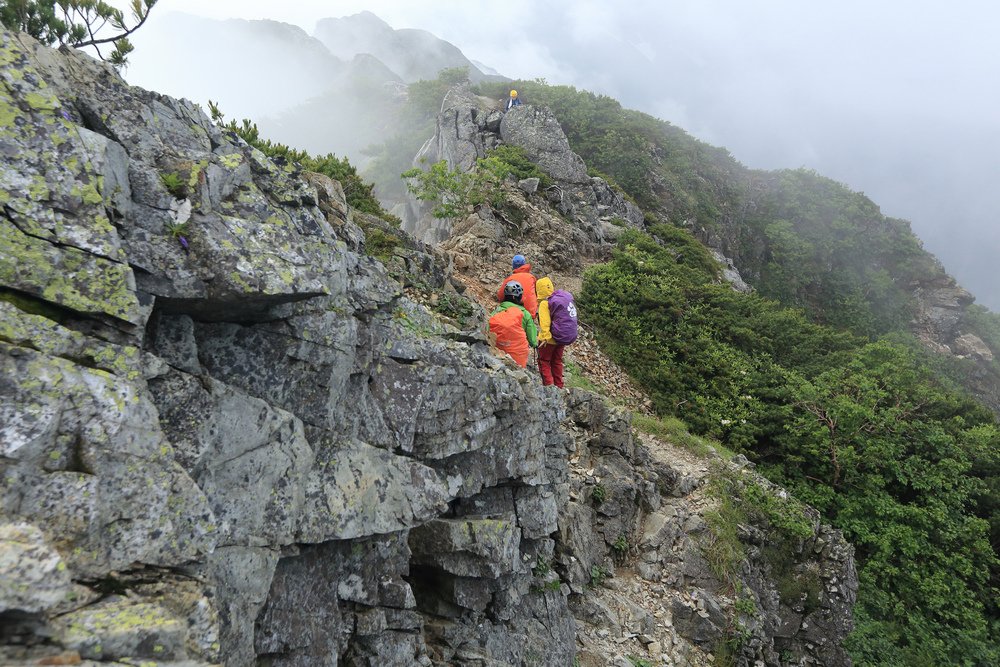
x,y
512,325
522,274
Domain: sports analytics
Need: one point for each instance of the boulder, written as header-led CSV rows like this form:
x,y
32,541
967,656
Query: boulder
x,y
537,131
119,628
529,186
33,578
971,345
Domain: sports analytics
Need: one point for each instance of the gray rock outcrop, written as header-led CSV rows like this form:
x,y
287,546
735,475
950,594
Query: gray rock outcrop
x,y
468,126
537,130
261,417
413,54
256,446
971,345
730,273
941,303
637,547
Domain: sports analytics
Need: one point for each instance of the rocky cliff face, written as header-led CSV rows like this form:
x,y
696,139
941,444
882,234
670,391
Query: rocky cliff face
x,y
638,546
227,435
468,127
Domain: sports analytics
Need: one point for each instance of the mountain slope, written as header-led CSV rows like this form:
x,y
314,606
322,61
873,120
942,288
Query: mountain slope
x,y
252,68
232,435
875,434
356,111
795,236
413,54
339,92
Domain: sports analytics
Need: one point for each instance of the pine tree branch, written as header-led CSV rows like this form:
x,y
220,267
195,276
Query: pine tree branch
x,y
90,30
94,42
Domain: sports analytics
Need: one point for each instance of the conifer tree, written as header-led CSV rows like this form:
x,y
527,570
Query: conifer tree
x,y
78,23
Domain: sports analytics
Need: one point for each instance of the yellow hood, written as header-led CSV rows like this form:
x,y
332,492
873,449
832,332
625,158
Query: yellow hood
x,y
544,288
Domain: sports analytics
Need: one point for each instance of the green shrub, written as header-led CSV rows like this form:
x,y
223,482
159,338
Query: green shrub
x,y
542,567
75,23
743,501
174,184
768,508
745,606
178,230
454,306
454,192
548,587
597,575
723,550
379,243
359,194
518,164
599,493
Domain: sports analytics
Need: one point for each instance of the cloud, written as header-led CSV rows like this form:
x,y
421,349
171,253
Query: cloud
x,y
895,98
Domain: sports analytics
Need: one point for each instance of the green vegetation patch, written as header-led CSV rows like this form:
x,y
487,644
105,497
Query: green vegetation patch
x,y
824,248
575,379
358,192
380,243
676,432
865,431
454,193
518,164
742,501
174,184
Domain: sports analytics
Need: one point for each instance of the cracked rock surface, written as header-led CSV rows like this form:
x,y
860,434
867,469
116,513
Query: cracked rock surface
x,y
256,447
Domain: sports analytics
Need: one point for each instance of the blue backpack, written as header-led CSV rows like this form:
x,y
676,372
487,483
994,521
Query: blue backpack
x,y
562,311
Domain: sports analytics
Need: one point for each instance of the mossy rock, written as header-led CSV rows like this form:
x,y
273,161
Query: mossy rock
x,y
67,277
122,628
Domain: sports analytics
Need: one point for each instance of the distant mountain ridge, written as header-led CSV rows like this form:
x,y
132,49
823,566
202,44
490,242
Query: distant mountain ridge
x,y
367,33
333,91
229,61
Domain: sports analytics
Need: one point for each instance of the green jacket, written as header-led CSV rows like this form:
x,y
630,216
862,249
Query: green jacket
x,y
530,330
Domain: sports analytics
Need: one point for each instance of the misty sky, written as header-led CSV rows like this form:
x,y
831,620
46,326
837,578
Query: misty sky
x,y
896,98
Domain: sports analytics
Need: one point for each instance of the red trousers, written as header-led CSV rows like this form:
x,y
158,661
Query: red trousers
x,y
550,364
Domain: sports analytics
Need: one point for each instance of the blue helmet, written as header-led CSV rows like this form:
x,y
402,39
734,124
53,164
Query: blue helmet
x,y
519,260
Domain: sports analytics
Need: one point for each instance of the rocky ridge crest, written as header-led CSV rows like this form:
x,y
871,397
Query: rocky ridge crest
x,y
255,447
469,126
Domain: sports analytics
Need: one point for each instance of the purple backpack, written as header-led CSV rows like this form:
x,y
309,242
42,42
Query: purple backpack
x,y
562,310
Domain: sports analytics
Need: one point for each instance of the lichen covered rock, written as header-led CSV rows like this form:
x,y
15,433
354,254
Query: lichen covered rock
x,y
33,577
255,445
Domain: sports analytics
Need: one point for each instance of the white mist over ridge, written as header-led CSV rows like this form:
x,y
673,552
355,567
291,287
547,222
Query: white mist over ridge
x,y
891,99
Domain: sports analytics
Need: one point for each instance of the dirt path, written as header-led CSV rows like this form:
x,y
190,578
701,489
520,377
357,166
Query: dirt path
x,y
627,619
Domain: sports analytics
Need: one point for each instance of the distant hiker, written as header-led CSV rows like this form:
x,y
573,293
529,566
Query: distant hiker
x,y
556,329
512,325
513,101
522,274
